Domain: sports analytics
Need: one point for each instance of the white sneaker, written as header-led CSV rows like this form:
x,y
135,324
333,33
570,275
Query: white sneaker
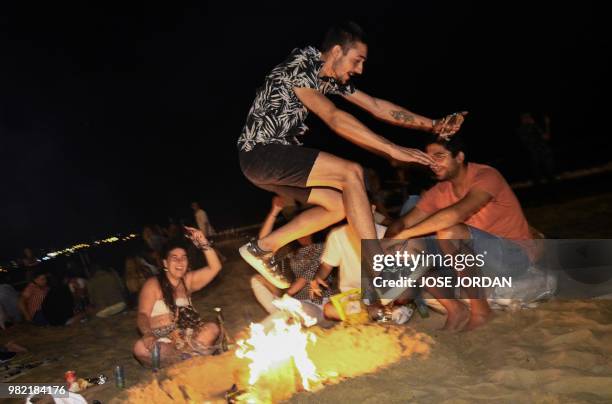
x,y
264,263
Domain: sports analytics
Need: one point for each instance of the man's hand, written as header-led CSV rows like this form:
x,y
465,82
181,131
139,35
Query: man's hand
x,y
449,125
315,289
411,156
394,228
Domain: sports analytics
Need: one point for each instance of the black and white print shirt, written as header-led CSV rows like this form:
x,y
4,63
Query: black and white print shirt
x,y
277,115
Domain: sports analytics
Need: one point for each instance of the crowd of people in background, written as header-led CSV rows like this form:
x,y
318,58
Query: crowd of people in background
x,y
70,291
78,291
468,202
315,255
83,289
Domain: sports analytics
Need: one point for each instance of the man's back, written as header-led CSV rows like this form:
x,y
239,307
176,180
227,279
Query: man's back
x,y
104,289
342,250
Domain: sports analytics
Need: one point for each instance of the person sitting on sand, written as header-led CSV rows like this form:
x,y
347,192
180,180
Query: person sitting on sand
x,y
106,292
303,262
342,251
58,308
165,313
470,202
78,286
9,305
32,297
137,271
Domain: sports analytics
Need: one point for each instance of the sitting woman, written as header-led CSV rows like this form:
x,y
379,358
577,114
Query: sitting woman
x,y
165,313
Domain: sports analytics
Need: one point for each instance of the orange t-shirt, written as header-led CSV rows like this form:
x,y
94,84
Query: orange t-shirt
x,y
502,216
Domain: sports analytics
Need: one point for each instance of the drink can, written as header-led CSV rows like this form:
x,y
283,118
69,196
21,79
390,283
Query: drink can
x,y
421,307
70,376
119,377
155,356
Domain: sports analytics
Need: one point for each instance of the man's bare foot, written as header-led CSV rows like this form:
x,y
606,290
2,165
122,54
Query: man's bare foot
x,y
477,320
456,318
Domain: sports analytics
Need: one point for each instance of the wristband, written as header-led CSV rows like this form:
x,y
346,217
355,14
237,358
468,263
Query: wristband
x,y
433,125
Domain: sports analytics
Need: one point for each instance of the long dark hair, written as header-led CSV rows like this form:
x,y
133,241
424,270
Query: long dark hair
x,y
164,283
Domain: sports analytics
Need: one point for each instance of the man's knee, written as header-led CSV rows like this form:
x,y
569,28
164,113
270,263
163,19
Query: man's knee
x,y
209,334
337,206
456,232
352,172
139,349
330,200
213,329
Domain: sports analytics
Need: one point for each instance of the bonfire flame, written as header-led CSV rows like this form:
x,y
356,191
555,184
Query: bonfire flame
x,y
285,341
294,308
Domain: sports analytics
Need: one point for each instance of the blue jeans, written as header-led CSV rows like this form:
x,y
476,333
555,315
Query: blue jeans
x,y
409,204
502,257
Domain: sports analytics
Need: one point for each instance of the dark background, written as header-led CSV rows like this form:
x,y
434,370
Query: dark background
x,y
112,117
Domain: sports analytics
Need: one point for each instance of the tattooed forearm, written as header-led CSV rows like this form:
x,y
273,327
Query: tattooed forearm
x,y
402,116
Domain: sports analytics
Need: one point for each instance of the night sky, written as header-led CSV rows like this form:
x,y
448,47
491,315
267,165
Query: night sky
x,y
114,117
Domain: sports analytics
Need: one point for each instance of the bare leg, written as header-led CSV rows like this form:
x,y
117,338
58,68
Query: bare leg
x,y
332,171
343,175
264,292
456,312
273,289
208,334
480,312
329,210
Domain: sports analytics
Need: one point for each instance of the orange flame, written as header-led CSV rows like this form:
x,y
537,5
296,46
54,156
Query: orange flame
x,y
286,341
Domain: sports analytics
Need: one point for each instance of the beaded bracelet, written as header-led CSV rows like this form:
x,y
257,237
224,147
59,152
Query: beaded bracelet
x,y
203,246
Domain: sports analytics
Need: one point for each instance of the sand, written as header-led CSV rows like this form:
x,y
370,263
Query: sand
x,y
340,353
559,351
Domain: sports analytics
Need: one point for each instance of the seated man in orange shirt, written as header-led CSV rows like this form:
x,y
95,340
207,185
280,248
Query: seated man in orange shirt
x,y
470,202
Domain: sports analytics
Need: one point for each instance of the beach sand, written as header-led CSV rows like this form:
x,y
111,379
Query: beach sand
x,y
560,351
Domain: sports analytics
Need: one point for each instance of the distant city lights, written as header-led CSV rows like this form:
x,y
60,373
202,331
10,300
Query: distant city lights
x,y
71,250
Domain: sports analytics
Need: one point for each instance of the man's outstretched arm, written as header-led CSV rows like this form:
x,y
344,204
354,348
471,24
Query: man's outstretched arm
x,y
390,112
400,116
411,218
349,127
457,213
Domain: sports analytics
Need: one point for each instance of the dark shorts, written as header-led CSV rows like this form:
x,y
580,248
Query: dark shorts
x,y
281,169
